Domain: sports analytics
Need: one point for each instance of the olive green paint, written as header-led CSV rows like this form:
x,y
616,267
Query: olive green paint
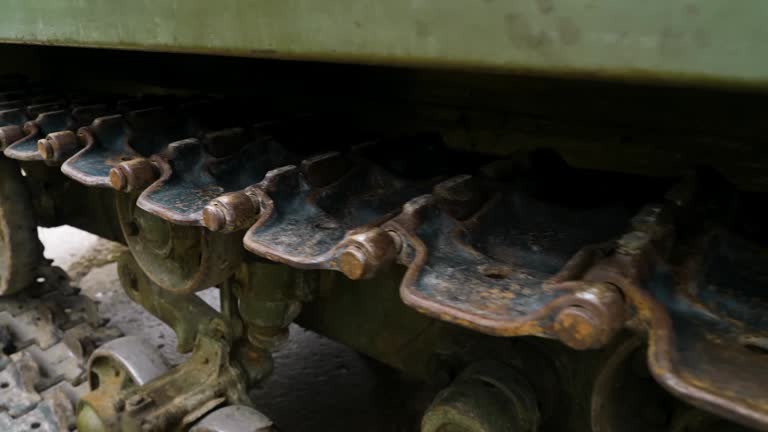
x,y
706,41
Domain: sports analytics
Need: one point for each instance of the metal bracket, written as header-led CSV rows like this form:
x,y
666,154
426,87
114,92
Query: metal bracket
x,y
222,366
210,378
185,314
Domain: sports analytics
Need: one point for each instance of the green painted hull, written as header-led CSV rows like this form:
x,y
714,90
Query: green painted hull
x,y
718,42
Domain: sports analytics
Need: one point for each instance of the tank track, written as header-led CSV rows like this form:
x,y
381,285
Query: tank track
x,y
529,248
47,332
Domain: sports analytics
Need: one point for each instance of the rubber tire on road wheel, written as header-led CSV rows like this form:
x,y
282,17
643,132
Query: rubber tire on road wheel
x,y
20,249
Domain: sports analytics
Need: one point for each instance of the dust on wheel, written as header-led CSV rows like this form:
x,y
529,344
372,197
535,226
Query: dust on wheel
x,y
20,249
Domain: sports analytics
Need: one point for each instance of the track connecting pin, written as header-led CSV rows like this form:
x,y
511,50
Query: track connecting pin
x,y
367,253
133,175
58,146
593,319
232,212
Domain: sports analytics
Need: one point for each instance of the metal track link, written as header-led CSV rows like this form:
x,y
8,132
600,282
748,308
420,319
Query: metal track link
x,y
47,334
530,246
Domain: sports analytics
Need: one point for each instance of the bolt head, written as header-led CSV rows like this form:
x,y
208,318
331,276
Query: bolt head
x,y
366,253
595,314
232,211
352,262
45,148
118,179
58,146
214,217
577,327
133,175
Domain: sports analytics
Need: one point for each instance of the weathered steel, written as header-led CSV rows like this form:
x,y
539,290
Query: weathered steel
x,y
71,119
145,128
190,176
185,314
118,138
169,401
501,256
16,113
178,258
532,247
58,146
701,305
705,41
322,225
139,360
116,366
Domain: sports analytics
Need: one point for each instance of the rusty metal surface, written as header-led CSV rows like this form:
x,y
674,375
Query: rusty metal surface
x,y
314,216
716,345
118,138
144,127
501,256
206,179
528,248
693,282
696,282
15,114
190,176
48,122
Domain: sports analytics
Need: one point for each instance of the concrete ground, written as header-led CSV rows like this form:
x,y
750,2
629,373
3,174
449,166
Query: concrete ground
x,y
318,385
